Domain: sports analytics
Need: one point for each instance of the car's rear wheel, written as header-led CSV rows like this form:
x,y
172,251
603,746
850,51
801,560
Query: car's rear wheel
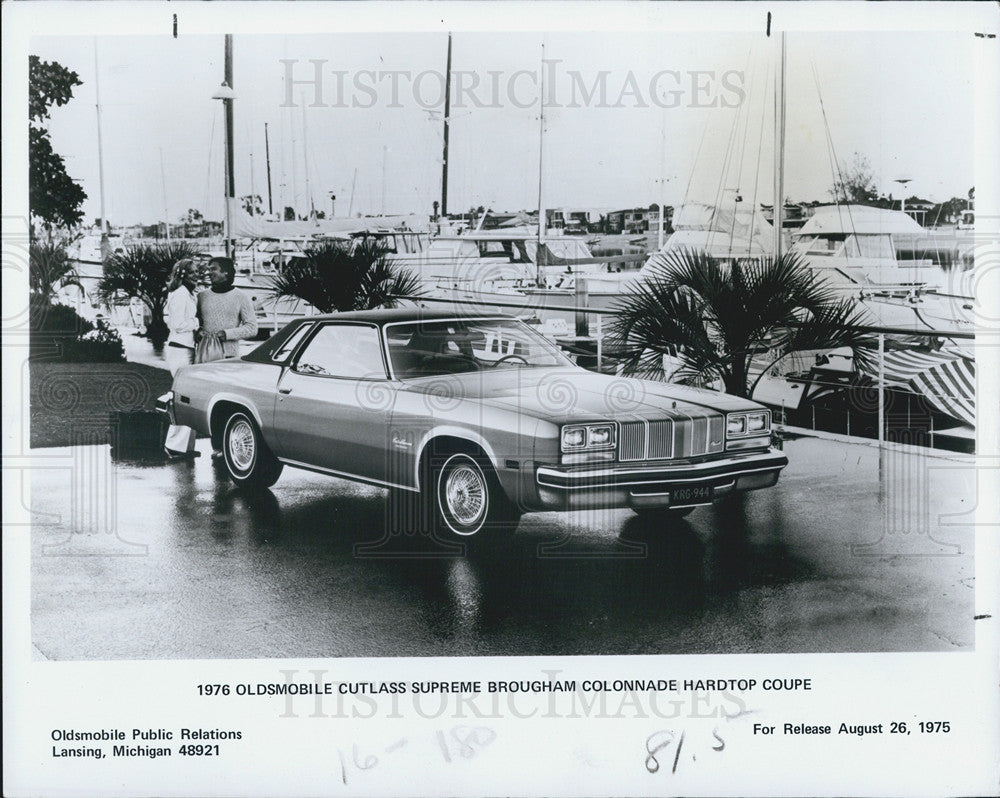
x,y
469,504
248,459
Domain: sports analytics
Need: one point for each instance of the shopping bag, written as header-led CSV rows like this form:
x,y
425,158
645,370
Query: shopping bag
x,y
179,440
209,348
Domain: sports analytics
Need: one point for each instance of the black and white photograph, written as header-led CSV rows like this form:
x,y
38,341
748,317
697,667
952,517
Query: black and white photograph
x,y
512,398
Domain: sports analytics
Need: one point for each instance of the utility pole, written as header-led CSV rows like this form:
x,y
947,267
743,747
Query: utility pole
x,y
230,160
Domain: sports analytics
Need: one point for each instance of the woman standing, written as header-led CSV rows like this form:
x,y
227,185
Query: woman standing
x,y
225,311
182,319
182,315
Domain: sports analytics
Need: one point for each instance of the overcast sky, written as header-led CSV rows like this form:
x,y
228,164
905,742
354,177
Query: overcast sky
x,y
633,116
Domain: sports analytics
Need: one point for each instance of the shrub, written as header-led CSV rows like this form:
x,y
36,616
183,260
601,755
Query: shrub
x,y
59,333
44,317
103,344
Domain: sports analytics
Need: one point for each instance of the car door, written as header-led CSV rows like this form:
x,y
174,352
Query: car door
x,y
334,402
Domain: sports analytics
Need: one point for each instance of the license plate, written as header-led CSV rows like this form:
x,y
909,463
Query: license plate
x,y
694,495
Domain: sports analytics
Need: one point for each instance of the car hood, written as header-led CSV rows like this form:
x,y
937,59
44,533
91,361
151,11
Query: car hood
x,y
568,394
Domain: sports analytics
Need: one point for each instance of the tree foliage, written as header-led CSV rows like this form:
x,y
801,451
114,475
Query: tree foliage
x,y
49,269
715,318
143,271
855,182
947,211
54,197
342,276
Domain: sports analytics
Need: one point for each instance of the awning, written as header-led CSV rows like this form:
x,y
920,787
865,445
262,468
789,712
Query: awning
x,y
946,379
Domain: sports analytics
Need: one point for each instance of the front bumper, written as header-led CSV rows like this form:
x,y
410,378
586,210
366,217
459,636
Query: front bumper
x,y
165,405
661,485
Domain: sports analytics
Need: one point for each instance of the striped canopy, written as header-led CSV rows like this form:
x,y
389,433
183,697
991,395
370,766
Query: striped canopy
x,y
947,379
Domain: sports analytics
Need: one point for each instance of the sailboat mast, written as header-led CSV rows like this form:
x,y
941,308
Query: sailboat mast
x,y
305,160
779,147
163,182
540,256
105,245
230,161
384,151
267,157
354,182
447,125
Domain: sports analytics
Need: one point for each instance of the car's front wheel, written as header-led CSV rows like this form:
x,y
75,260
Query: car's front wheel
x,y
249,461
469,503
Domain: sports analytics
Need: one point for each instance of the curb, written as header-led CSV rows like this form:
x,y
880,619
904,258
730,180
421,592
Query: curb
x,y
890,446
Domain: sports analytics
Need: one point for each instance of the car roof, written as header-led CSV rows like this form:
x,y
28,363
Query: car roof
x,y
387,315
382,316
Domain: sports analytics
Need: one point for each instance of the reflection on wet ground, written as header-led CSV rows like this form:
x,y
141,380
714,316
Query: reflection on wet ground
x,y
175,562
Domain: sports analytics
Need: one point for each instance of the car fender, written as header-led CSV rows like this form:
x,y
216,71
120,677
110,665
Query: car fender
x,y
236,398
462,433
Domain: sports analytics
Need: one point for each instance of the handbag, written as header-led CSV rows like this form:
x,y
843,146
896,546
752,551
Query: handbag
x,y
209,348
179,440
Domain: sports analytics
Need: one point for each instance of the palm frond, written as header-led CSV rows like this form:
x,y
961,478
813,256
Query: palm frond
x,y
342,276
715,318
50,268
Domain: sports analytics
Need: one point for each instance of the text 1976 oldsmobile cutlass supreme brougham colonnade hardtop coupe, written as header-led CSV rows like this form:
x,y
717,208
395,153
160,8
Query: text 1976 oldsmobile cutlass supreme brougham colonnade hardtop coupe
x,y
471,419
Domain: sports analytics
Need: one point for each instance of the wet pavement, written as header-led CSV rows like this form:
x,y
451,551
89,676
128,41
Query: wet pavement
x,y
135,560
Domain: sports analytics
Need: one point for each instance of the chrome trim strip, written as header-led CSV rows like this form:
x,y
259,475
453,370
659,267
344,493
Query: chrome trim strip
x,y
345,475
632,483
730,467
705,466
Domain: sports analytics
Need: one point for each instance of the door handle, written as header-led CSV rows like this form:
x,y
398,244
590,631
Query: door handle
x,y
284,390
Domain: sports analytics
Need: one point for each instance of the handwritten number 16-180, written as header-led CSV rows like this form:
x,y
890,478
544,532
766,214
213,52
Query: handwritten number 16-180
x,y
460,742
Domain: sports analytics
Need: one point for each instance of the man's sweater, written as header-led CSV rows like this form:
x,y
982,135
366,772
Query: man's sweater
x,y
232,312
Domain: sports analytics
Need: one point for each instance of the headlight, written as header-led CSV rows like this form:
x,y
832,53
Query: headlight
x,y
587,437
749,424
736,425
757,422
600,436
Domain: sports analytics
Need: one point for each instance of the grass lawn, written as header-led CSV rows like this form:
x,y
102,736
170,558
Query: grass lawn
x,y
71,402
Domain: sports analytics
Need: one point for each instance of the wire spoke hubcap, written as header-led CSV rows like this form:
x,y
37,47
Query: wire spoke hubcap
x,y
465,494
241,445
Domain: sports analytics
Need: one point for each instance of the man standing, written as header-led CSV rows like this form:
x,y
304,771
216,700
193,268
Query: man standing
x,y
224,311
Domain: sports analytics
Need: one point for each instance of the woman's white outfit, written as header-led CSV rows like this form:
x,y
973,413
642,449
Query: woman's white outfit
x,y
182,319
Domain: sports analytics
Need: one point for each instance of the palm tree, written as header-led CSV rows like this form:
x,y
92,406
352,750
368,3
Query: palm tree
x,y
143,271
341,276
716,317
49,269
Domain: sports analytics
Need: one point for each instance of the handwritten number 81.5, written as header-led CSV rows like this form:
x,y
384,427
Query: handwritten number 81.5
x,y
655,743
661,740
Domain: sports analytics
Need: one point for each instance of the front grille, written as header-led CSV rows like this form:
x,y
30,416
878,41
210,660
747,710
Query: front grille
x,y
661,440
632,441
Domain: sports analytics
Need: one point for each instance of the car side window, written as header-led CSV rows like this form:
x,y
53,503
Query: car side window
x,y
343,350
288,347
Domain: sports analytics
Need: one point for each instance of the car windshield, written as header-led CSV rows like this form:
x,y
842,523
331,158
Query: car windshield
x,y
454,346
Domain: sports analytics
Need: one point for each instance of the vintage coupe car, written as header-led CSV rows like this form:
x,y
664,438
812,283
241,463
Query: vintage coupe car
x,y
471,419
